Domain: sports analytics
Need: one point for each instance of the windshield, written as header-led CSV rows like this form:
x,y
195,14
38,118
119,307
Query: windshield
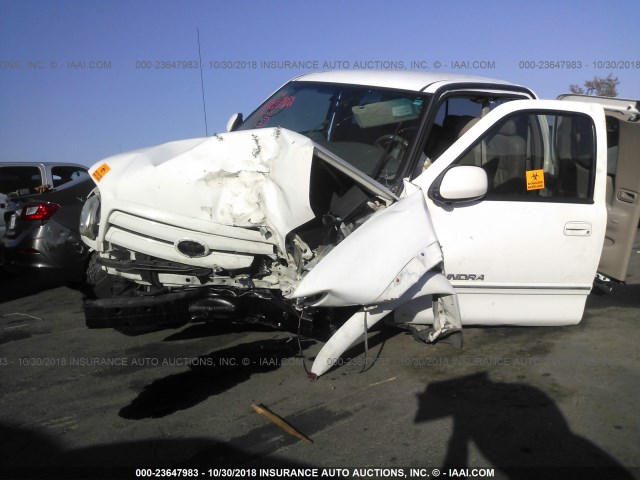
x,y
371,128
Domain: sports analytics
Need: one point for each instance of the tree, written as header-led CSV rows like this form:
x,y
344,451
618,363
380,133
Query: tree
x,y
602,87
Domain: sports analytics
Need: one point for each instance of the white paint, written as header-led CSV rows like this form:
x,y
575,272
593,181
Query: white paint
x,y
254,186
395,246
402,80
353,328
464,182
247,179
534,274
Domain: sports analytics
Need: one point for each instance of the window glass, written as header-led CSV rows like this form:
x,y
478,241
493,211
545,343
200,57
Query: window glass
x,y
613,138
456,115
530,156
459,106
64,174
14,178
370,128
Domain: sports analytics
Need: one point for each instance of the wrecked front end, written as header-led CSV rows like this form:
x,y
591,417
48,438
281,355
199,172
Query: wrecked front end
x,y
254,226
227,225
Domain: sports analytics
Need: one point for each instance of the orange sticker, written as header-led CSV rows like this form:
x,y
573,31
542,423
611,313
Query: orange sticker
x,y
535,179
100,172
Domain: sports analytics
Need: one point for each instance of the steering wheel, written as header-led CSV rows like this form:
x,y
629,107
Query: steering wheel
x,y
394,147
391,137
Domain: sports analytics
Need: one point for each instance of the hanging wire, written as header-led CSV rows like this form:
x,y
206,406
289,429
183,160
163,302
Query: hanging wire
x,y
366,343
301,353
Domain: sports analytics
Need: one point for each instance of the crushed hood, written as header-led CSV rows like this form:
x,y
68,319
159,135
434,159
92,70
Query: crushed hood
x,y
247,179
250,179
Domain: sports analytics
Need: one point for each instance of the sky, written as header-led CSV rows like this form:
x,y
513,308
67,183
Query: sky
x,y
81,80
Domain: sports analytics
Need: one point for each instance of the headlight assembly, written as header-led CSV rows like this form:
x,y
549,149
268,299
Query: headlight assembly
x,y
90,216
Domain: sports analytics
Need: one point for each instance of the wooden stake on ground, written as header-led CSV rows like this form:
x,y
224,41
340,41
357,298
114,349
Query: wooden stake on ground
x,y
280,423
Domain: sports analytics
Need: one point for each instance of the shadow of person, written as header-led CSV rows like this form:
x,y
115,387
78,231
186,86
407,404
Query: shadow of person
x,y
516,427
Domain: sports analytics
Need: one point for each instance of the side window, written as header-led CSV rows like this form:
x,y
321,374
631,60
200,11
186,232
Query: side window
x,y
529,156
62,175
15,178
455,116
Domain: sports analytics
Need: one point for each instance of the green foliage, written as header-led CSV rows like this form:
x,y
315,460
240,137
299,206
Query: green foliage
x,y
601,87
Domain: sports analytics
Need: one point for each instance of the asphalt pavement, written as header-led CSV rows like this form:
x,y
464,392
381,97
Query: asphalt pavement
x,y
534,402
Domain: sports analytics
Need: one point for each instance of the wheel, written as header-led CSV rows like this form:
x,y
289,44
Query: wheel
x,y
99,284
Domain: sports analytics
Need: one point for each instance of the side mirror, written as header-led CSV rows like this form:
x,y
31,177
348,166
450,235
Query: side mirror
x,y
234,121
461,184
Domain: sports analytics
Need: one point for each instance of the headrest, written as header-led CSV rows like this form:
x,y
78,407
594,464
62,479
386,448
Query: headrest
x,y
509,128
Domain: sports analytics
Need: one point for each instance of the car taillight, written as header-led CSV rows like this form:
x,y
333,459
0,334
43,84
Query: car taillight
x,y
39,211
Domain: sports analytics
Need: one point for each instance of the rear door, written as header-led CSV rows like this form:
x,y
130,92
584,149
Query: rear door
x,y
623,182
527,252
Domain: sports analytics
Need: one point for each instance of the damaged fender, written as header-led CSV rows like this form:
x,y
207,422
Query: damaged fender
x,y
388,261
446,314
379,261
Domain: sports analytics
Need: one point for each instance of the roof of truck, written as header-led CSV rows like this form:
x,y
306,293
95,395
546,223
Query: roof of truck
x,y
46,164
427,82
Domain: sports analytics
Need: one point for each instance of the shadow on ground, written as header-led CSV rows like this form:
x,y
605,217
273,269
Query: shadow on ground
x,y
211,375
13,287
212,329
621,296
26,454
516,427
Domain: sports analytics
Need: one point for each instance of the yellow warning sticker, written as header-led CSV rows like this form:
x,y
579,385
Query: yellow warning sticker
x,y
100,172
535,179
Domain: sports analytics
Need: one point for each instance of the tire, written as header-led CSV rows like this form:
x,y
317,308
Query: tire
x,y
99,284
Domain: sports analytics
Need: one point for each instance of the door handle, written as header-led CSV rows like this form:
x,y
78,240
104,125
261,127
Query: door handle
x,y
625,196
582,229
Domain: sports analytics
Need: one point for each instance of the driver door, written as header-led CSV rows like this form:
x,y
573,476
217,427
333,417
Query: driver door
x,y
526,253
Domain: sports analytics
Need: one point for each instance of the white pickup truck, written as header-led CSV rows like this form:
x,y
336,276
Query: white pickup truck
x,y
446,199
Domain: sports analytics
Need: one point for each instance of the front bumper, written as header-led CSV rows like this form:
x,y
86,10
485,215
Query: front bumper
x,y
137,314
134,315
